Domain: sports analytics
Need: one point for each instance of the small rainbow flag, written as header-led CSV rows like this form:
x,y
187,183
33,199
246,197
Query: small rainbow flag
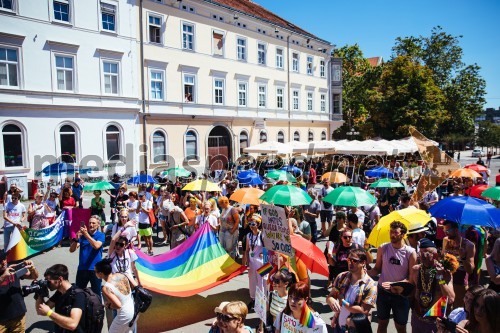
x,y
438,309
265,269
306,317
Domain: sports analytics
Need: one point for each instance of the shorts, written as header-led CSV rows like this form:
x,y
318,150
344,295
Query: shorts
x,y
399,305
162,217
326,216
145,230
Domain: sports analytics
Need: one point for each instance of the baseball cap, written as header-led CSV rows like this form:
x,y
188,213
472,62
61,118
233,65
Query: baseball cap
x,y
221,306
141,194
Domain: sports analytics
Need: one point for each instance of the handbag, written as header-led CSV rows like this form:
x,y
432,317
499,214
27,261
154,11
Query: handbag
x,y
142,300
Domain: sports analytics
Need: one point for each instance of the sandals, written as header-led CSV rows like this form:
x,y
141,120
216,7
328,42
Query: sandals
x,y
150,253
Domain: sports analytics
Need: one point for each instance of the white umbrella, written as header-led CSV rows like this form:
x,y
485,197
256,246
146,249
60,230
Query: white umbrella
x,y
271,147
317,147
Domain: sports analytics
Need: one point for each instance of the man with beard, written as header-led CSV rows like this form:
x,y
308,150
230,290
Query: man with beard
x,y
353,292
464,250
431,282
394,263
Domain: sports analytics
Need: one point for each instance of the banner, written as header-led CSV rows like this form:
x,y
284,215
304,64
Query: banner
x,y
260,304
292,325
275,229
29,242
78,215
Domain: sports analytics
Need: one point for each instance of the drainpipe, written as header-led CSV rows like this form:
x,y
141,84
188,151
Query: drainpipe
x,y
143,93
288,82
330,91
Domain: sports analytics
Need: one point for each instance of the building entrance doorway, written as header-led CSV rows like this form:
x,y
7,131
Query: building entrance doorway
x,y
219,148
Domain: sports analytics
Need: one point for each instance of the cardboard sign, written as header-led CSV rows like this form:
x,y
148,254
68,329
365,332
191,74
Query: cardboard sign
x,y
276,233
260,304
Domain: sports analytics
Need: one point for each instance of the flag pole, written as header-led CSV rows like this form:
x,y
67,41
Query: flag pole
x,y
446,307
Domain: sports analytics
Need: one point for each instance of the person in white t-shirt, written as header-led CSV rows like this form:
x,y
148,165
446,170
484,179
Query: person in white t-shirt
x,y
123,257
358,234
145,230
14,215
360,214
206,216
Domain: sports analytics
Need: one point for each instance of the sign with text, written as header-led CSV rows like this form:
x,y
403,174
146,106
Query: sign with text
x,y
276,232
292,325
260,304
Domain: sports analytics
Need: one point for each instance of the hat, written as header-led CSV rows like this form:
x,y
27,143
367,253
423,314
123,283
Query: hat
x,y
221,306
425,243
3,255
141,194
77,179
417,230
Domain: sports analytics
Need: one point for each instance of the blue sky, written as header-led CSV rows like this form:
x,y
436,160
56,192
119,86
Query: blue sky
x,y
374,26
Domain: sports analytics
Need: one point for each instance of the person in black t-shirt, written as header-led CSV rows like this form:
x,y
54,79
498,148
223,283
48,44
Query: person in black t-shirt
x,y
337,256
389,202
68,305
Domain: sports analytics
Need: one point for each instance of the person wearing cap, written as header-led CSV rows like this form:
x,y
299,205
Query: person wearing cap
x,y
77,189
217,324
415,235
254,256
431,282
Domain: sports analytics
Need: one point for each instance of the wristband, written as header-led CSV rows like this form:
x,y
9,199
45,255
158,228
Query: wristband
x,y
49,313
346,303
441,282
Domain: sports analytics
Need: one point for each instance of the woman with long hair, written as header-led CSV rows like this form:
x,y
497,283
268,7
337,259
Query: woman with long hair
x,y
123,258
279,295
493,266
118,294
67,201
484,313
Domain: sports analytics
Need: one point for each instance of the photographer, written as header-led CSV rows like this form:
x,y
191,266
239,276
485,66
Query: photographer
x,y
68,305
13,308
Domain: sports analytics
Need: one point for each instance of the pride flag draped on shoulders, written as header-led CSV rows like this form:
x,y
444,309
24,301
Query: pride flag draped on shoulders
x,y
198,264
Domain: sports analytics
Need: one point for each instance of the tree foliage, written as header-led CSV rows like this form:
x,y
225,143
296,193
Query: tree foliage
x,y
488,134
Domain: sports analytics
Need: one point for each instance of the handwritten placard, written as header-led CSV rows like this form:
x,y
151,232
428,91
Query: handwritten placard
x,y
260,304
276,233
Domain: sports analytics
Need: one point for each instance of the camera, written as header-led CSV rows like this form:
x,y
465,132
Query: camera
x,y
39,287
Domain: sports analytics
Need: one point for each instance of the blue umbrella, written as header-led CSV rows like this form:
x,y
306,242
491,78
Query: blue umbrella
x,y
245,173
467,210
141,179
251,179
58,168
293,170
379,172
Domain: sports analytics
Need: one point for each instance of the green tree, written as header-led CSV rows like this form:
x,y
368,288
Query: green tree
x,y
488,134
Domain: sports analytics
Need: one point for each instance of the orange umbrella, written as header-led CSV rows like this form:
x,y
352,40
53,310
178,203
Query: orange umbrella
x,y
476,167
467,173
476,190
310,255
335,177
247,195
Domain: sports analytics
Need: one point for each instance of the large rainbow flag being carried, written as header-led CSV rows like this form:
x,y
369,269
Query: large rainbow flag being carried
x,y
198,264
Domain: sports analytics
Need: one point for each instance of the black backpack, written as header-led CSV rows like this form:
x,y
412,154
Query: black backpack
x,y
92,319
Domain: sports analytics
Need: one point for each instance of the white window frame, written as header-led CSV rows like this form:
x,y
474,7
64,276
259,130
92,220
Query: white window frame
x,y
17,63
153,155
214,47
245,84
278,96
295,99
247,140
337,73
278,136
120,141
70,11
243,49
117,75
11,10
24,147
74,70
310,137
221,90
192,34
260,136
101,12
309,65
160,27
189,74
323,135
295,62
310,101
279,58
322,67
261,53
322,98
262,94
197,144
155,80
77,139
298,134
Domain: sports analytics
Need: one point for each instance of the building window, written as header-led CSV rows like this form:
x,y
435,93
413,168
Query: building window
x,y
295,99
218,43
296,136
111,77
156,85
187,36
154,29
281,137
309,65
219,91
108,17
189,85
263,137
7,4
242,93
323,102
336,103
322,68
262,95
295,62
310,136
336,73
67,136
279,97
242,49
13,146
113,143
279,58
9,65
309,101
159,147
261,53
61,10
191,145
65,73
243,141
323,136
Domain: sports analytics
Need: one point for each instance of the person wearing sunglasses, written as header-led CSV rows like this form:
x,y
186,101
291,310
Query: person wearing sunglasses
x,y
337,254
253,256
124,227
281,280
217,323
14,215
353,292
232,318
123,258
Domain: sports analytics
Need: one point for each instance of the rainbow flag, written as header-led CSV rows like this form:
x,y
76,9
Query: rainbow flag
x,y
198,264
30,242
265,269
306,317
438,309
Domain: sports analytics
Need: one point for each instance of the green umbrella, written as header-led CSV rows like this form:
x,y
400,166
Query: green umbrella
x,y
101,186
492,193
350,196
386,182
286,195
281,175
176,172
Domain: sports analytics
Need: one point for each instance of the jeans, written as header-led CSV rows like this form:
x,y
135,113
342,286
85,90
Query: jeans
x,y
84,277
314,231
7,232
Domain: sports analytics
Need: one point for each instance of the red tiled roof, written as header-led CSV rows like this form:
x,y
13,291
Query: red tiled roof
x,y
375,61
251,8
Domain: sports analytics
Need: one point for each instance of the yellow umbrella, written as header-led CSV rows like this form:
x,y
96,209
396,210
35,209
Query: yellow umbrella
x,y
335,177
247,195
202,185
465,172
411,217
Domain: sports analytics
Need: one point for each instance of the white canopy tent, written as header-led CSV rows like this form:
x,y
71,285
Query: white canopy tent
x,y
271,147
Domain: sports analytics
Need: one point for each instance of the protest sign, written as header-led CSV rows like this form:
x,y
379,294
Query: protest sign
x,y
260,304
292,325
276,232
76,215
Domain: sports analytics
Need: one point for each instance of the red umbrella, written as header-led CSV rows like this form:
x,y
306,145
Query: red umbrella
x,y
476,190
476,167
310,254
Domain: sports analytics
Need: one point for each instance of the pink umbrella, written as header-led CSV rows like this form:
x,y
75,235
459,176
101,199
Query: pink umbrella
x,y
476,167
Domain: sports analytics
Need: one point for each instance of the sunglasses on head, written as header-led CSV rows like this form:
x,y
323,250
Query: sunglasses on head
x,y
119,244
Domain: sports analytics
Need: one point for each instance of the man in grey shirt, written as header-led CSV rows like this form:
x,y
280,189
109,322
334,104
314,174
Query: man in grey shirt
x,y
311,213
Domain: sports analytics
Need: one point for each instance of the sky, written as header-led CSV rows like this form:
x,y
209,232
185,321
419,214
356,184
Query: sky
x,y
375,25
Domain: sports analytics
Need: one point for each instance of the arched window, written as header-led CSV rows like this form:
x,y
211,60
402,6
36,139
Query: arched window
x,y
243,141
310,136
323,136
281,137
13,146
191,145
296,136
159,147
113,143
263,137
67,136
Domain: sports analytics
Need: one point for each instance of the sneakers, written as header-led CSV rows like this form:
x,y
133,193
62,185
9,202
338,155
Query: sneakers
x,y
150,253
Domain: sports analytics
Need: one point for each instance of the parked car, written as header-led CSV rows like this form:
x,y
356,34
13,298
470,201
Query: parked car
x,y
477,153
